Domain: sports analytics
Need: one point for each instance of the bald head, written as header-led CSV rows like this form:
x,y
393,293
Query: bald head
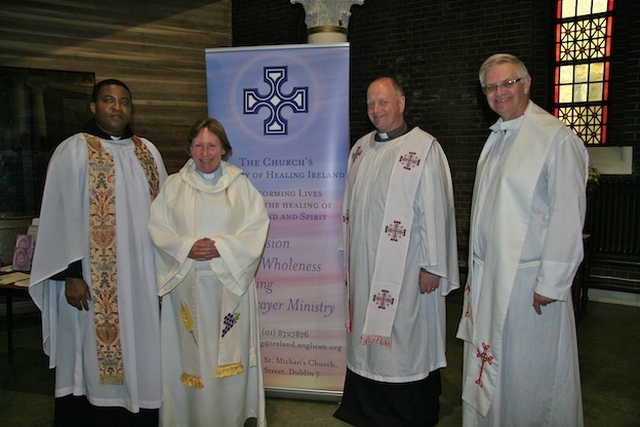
x,y
385,104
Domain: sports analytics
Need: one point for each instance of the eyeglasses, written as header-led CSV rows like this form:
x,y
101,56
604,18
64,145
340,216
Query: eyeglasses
x,y
507,84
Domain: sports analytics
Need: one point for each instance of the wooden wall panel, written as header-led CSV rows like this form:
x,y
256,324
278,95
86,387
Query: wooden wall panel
x,y
155,47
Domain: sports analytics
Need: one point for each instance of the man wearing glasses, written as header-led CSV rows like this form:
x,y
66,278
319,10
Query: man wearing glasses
x,y
525,245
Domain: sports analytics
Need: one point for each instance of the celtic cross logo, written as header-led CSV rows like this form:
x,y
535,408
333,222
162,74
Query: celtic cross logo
x,y
276,100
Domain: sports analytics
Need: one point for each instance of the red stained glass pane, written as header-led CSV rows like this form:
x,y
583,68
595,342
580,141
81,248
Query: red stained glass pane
x,y
583,43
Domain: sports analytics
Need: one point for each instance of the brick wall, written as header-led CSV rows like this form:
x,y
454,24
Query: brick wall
x,y
435,48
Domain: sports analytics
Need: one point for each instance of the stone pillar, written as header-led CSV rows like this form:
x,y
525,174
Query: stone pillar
x,y
327,20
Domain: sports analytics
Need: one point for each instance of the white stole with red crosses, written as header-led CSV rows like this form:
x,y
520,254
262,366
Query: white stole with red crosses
x,y
393,242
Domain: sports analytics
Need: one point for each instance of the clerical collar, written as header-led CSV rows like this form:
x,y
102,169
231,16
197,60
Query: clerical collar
x,y
213,177
92,128
508,125
388,136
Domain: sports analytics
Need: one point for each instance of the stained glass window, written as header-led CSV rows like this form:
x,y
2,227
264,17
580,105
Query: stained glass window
x,y
582,67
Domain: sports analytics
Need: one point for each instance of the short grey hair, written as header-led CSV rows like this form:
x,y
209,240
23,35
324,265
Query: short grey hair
x,y
502,58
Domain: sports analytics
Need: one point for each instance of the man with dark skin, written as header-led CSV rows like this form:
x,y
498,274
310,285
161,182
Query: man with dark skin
x,y
93,272
112,111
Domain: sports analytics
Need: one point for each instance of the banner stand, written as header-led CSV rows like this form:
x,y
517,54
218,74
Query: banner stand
x,y
286,111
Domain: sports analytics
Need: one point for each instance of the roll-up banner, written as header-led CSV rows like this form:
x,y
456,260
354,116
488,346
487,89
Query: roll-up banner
x,y
286,111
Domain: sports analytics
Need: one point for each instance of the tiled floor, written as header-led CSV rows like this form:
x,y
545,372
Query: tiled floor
x,y
609,340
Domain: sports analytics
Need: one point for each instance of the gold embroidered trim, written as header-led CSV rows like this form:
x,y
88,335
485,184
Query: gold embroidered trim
x,y
148,165
102,250
229,370
191,381
102,236
188,321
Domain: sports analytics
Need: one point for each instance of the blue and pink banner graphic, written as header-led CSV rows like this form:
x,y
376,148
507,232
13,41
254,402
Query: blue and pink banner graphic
x,y
286,111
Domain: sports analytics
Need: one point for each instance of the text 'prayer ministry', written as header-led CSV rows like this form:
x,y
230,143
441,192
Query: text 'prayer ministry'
x,y
297,305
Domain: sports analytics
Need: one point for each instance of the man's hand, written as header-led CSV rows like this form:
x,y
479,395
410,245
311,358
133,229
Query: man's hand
x,y
77,293
539,300
428,282
204,250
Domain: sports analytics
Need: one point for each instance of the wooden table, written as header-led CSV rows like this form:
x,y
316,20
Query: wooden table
x,y
9,290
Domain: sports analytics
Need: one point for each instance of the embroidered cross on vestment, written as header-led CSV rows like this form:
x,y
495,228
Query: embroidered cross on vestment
x,y
383,299
467,290
484,355
409,160
395,230
356,154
